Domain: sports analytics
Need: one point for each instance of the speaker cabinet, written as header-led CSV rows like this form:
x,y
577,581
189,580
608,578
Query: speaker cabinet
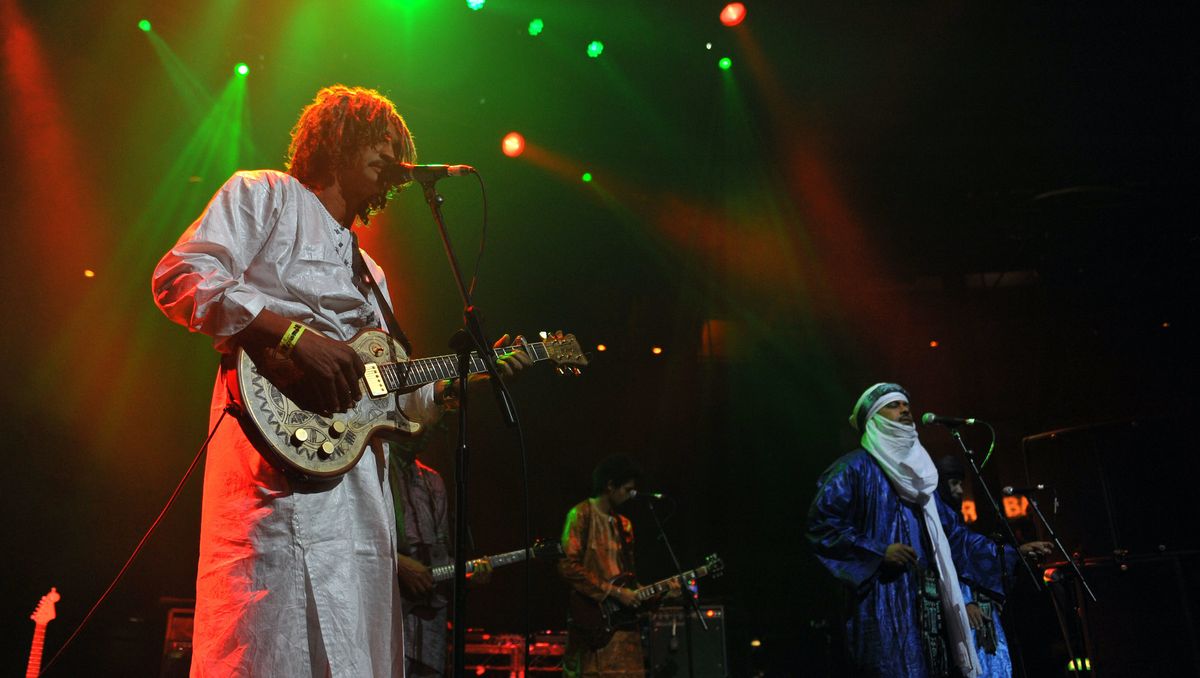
x,y
669,643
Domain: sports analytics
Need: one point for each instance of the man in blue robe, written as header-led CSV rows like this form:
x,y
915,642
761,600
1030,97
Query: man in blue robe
x,y
877,525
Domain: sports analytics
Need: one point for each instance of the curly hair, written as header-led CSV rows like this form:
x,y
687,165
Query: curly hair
x,y
334,127
617,469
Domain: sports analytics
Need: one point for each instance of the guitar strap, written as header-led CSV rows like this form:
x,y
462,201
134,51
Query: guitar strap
x,y
363,272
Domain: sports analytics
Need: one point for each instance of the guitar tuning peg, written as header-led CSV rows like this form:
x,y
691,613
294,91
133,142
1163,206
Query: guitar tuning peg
x,y
576,371
559,370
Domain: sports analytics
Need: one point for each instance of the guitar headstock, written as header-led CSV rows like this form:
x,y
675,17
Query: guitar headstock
x,y
565,351
714,565
45,608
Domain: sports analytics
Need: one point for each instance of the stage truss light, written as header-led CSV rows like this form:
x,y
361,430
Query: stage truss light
x,y
513,144
733,14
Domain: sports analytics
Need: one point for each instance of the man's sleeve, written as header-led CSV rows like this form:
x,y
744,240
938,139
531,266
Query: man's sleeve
x,y
199,283
845,550
980,561
571,566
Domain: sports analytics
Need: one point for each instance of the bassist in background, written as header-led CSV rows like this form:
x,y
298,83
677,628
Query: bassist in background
x,y
597,548
423,541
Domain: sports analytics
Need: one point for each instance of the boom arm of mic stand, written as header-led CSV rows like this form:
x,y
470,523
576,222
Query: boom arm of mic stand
x,y
1012,538
1062,549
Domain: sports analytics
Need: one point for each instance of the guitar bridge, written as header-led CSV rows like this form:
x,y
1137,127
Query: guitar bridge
x,y
374,379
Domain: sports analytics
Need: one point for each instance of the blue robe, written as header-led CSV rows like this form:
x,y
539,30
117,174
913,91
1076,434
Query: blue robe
x,y
854,517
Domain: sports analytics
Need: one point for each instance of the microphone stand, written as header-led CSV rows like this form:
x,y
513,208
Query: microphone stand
x,y
1081,582
469,338
692,605
977,474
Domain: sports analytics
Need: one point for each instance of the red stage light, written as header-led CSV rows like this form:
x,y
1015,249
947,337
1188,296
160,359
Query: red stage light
x,y
934,344
733,14
513,144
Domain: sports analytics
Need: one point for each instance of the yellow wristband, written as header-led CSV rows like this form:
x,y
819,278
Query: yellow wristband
x,y
288,342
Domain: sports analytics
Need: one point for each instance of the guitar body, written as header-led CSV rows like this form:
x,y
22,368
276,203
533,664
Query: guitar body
x,y
596,622
303,441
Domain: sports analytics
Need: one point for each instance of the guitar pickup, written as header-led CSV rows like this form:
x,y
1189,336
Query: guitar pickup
x,y
374,379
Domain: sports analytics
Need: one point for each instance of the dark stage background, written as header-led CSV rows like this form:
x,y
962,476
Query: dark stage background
x,y
1014,181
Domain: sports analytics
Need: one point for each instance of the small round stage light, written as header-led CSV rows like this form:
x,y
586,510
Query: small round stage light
x,y
934,343
242,68
89,273
513,144
725,63
475,5
657,350
601,347
587,176
595,48
536,26
144,24
733,14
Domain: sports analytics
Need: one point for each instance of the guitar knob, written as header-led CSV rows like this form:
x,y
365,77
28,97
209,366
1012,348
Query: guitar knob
x,y
337,428
326,449
299,437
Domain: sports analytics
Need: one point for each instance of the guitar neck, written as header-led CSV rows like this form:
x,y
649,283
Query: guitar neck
x,y
446,572
35,651
660,587
421,371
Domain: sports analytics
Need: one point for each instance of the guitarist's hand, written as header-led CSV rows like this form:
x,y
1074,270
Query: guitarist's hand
x,y
416,581
331,372
626,597
511,363
482,573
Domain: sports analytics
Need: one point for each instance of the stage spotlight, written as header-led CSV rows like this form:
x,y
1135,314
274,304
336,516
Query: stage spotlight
x,y
513,144
587,176
725,63
476,5
595,48
733,14
536,26
144,24
657,350
242,68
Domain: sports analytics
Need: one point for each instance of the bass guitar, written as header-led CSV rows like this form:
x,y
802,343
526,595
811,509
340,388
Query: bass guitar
x,y
42,615
427,606
317,446
540,549
596,622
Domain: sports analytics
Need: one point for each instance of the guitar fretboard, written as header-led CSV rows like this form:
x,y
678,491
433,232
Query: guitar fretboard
x,y
422,371
446,572
659,587
35,651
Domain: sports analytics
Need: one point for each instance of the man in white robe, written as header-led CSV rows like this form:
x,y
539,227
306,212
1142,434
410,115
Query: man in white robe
x,y
297,579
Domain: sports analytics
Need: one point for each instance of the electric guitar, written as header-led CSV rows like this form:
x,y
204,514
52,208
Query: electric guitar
x,y
325,447
596,622
540,549
428,605
41,616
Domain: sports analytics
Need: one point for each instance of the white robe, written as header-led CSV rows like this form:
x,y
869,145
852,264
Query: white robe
x,y
292,582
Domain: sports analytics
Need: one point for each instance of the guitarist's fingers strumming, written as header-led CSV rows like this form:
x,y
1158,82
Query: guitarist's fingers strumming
x,y
627,597
415,578
331,369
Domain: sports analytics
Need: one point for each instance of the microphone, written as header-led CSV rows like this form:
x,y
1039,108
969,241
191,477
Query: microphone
x,y
1009,490
403,172
634,494
950,422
